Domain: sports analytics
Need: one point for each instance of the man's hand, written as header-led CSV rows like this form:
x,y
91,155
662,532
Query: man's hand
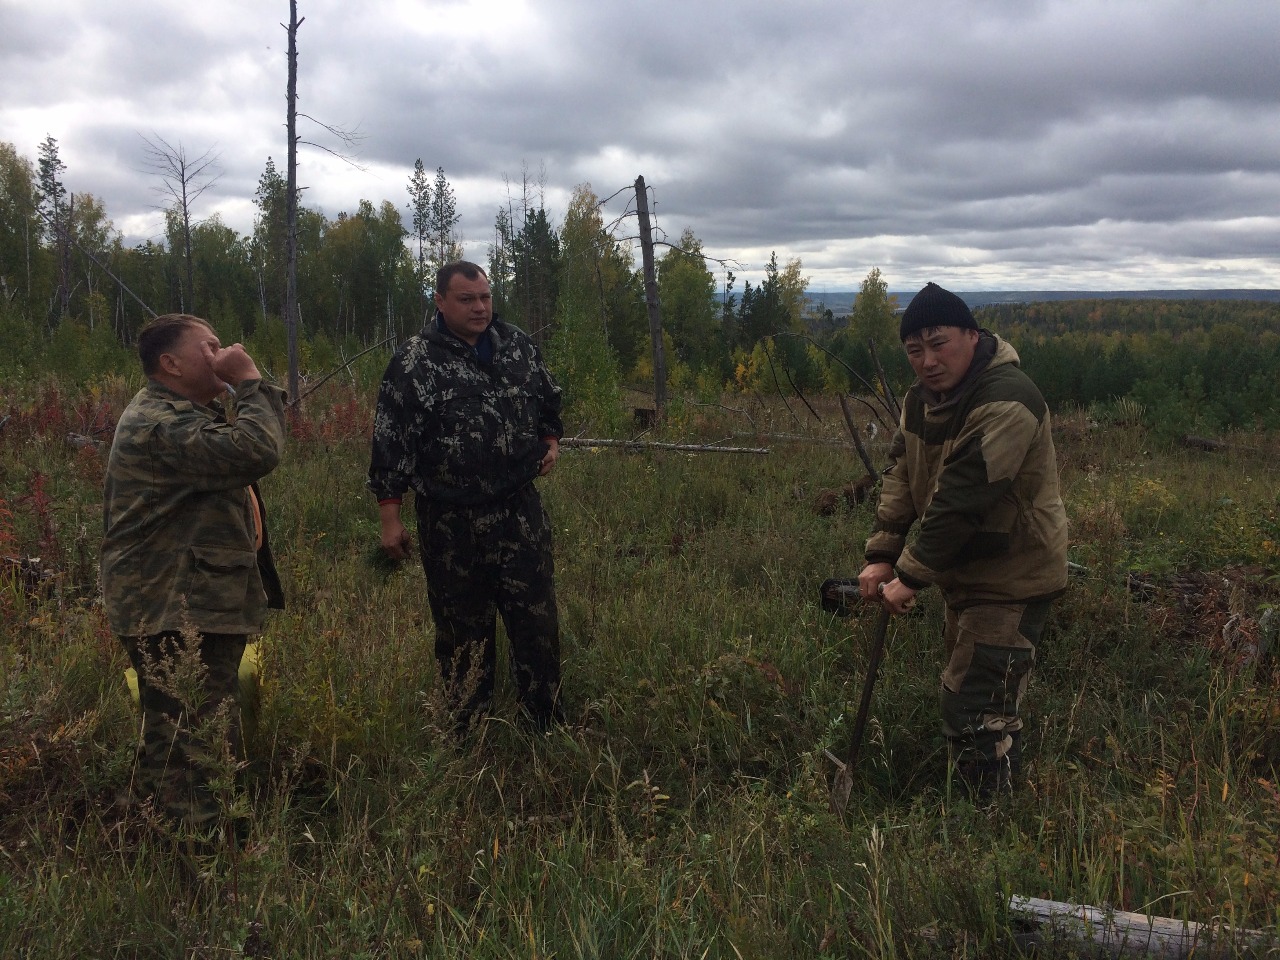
x,y
395,538
872,577
232,364
877,581
551,456
897,596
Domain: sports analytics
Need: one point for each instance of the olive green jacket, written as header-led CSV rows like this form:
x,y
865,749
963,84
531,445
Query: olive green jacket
x,y
179,530
976,474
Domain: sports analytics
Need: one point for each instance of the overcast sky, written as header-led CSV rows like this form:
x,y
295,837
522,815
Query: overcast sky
x,y
1010,144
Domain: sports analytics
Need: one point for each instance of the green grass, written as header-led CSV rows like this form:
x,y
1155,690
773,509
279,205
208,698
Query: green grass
x,y
683,811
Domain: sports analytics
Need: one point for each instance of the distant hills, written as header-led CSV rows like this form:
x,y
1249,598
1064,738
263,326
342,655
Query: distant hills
x,y
841,301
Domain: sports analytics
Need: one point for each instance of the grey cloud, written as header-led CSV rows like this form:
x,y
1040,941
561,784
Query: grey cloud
x,y
1079,142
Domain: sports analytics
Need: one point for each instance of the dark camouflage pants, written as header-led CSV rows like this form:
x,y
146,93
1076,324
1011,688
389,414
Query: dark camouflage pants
x,y
481,562
990,652
190,721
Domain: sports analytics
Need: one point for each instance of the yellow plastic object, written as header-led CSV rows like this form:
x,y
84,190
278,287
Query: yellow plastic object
x,y
250,670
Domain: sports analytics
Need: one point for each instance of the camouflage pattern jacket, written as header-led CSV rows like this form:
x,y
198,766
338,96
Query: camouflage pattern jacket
x,y
978,472
179,545
458,431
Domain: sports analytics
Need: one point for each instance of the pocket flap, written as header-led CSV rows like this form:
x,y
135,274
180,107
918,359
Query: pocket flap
x,y
223,558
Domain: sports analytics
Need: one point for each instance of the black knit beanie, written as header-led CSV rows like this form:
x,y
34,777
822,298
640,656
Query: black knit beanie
x,y
935,307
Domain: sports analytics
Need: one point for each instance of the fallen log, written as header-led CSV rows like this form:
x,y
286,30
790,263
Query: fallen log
x,y
654,445
1117,933
1207,444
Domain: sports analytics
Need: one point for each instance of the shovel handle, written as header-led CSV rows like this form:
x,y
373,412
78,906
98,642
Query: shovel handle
x,y
868,685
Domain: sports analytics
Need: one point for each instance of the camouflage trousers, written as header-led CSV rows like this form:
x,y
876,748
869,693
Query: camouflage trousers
x,y
190,721
990,651
482,562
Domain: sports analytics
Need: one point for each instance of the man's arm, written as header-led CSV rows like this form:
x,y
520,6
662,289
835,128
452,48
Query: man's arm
x,y
391,462
895,509
214,454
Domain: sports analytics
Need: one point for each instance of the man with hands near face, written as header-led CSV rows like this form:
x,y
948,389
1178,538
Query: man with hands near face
x,y
467,417
186,566
973,469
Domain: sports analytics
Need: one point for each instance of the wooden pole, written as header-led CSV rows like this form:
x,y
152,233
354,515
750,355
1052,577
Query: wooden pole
x,y
651,300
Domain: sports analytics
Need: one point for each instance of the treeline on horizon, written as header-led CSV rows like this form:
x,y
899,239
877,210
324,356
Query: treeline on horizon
x,y
73,300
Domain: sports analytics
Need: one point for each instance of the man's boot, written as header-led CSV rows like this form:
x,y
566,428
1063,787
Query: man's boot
x,y
982,780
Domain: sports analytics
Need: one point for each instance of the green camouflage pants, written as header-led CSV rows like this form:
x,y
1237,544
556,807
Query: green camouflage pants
x,y
481,562
190,721
990,652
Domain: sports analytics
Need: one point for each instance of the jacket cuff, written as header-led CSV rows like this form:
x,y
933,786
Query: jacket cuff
x,y
910,581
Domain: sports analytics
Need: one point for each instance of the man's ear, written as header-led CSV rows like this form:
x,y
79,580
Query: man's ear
x,y
169,365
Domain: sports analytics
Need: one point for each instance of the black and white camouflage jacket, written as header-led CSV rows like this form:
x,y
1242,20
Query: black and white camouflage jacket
x,y
459,431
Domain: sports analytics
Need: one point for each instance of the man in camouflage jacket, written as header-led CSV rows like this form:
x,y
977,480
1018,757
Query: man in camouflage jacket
x,y
467,417
187,574
973,468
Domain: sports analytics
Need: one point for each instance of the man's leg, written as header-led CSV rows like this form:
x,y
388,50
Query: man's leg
x,y
460,594
527,600
190,721
991,649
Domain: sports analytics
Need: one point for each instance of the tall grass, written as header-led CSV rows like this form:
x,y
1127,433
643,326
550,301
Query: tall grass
x,y
682,812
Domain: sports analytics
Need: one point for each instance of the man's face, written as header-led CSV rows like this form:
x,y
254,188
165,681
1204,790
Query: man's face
x,y
941,356
467,307
190,364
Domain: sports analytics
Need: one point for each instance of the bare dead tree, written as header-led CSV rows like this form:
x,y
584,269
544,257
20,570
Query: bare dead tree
x,y
291,205
292,320
183,180
651,300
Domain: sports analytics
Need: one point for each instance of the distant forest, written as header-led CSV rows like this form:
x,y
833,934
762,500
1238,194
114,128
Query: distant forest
x,y
1188,365
72,298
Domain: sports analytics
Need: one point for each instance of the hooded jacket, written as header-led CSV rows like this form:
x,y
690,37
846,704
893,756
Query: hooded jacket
x,y
976,473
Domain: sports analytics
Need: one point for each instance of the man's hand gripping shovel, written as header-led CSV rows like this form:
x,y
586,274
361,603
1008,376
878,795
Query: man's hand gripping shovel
x,y
837,596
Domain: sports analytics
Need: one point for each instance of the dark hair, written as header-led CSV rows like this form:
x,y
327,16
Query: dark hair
x,y
161,335
465,267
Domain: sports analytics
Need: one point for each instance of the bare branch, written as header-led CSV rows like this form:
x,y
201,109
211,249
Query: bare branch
x,y
345,365
654,445
870,388
629,188
341,156
858,445
773,371
350,137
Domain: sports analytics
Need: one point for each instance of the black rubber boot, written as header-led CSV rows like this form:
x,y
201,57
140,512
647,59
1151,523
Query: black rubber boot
x,y
983,780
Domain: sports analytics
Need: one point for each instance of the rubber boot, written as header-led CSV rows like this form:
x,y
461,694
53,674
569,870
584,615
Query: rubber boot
x,y
983,780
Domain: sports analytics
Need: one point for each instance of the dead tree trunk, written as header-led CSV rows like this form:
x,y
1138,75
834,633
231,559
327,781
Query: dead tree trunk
x,y
291,205
651,300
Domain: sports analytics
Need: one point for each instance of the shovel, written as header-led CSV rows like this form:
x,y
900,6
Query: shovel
x,y
842,785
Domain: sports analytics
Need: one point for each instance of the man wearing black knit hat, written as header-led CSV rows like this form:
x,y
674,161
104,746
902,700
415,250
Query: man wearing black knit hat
x,y
973,469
